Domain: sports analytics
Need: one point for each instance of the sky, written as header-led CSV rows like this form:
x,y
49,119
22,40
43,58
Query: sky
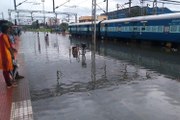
x,y
81,7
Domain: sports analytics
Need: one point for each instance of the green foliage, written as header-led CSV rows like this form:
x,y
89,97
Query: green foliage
x,y
64,26
35,24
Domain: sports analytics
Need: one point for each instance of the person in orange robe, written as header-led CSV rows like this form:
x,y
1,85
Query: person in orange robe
x,y
6,55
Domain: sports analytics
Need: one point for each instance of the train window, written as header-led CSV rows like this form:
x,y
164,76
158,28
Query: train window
x,y
143,28
148,28
160,28
153,29
102,25
173,28
130,28
166,29
126,22
119,29
135,28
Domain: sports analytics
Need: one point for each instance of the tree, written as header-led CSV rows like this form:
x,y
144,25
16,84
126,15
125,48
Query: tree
x,y
35,24
64,26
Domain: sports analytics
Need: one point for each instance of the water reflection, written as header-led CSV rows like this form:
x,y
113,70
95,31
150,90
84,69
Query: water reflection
x,y
130,82
105,66
39,43
155,58
47,40
83,63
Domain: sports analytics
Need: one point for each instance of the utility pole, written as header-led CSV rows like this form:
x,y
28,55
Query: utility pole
x,y
14,4
75,18
93,63
53,6
142,10
129,7
94,19
106,6
43,10
2,15
15,22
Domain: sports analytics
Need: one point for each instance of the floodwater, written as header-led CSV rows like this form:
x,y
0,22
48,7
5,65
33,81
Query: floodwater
x,y
117,82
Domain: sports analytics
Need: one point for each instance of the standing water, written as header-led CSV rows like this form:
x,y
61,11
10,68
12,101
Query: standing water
x,y
132,82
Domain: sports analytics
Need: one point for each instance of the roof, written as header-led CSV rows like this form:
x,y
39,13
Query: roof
x,y
144,18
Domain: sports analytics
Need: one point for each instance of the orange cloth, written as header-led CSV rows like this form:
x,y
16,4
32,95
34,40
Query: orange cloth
x,y
5,55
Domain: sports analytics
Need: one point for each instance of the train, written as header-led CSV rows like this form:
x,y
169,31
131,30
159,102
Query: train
x,y
155,28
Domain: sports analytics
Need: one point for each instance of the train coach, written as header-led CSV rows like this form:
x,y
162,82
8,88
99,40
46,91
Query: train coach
x,y
161,28
83,29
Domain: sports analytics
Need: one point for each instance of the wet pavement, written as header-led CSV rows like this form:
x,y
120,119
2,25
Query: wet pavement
x,y
123,82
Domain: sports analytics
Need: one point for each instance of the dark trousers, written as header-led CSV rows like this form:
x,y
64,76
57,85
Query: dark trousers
x,y
7,78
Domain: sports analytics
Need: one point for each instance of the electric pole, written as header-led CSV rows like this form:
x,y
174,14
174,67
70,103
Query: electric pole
x,y
53,6
14,4
93,63
129,7
106,6
2,15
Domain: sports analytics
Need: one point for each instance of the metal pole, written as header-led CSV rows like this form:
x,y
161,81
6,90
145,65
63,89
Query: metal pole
x,y
9,12
2,15
31,16
142,11
14,4
129,7
93,63
18,18
53,6
75,18
43,11
106,6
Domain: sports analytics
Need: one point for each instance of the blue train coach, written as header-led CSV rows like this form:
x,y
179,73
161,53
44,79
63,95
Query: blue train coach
x,y
161,28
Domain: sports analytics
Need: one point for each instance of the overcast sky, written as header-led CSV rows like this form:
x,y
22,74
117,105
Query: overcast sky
x,y
83,7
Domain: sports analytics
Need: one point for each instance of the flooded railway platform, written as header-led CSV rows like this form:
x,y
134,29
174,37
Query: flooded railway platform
x,y
121,82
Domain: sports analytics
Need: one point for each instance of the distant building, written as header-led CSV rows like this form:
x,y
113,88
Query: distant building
x,y
53,21
85,19
102,17
137,11
89,18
